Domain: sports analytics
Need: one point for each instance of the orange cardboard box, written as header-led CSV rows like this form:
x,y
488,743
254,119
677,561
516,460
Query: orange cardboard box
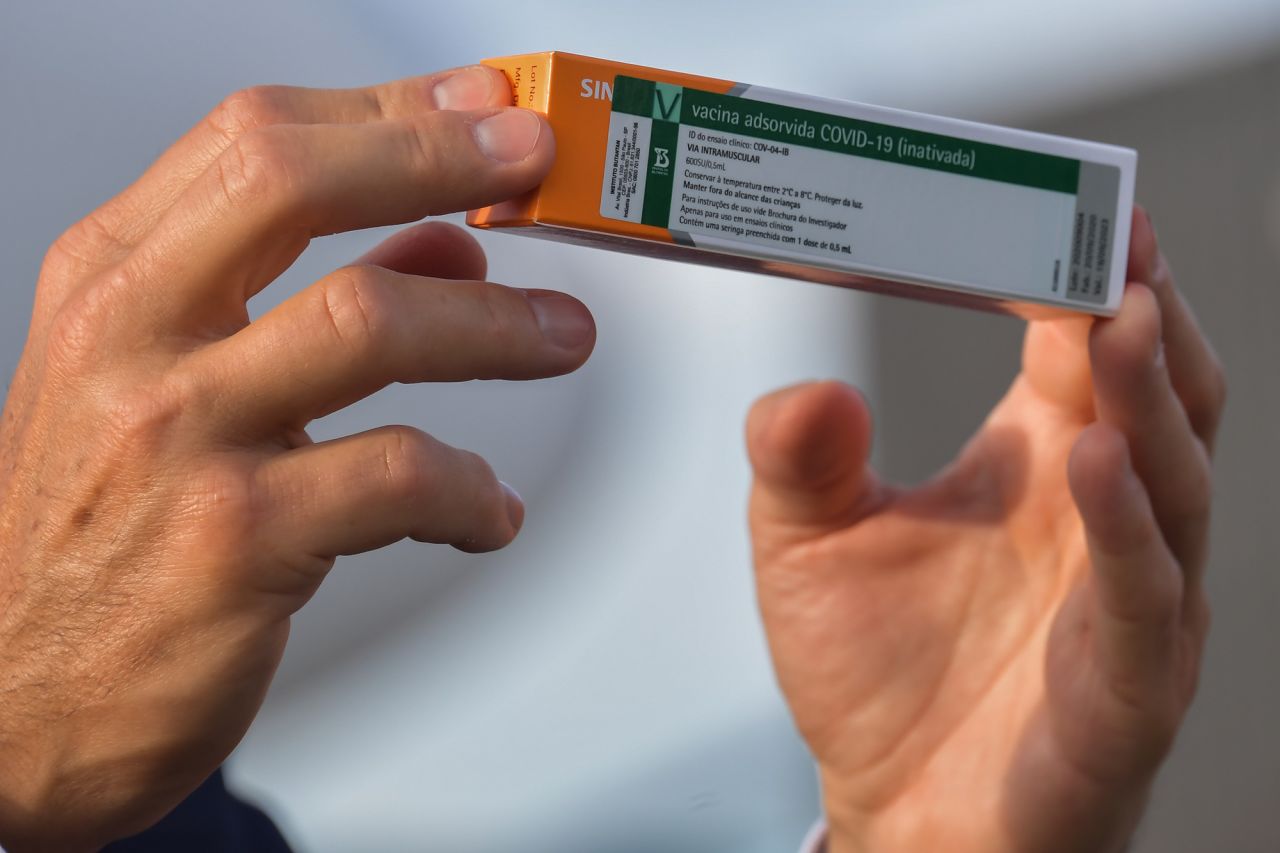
x,y
716,172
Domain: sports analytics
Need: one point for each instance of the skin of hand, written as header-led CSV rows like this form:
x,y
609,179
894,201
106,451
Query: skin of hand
x,y
999,659
162,510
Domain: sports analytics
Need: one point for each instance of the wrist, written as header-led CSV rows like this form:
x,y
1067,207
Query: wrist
x,y
964,822
939,817
61,790
910,831
31,818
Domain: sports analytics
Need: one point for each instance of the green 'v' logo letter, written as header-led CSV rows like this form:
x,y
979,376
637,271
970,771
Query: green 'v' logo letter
x,y
666,108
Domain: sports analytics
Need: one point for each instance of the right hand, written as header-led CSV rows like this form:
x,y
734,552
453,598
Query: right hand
x,y
998,660
162,511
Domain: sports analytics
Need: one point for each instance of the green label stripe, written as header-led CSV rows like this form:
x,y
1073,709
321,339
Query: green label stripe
x,y
795,126
633,96
658,184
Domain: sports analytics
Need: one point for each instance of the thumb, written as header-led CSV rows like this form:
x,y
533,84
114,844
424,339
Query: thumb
x,y
808,446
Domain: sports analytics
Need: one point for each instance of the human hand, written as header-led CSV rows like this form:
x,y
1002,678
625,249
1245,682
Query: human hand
x,y
1000,659
162,511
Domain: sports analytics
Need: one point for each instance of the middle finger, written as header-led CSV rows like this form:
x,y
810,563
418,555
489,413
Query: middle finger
x,y
363,327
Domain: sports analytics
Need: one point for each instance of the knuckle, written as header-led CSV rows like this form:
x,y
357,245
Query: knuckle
x,y
492,498
1164,599
221,506
1190,496
144,418
502,318
480,472
356,307
249,109
80,325
384,101
73,336
1205,403
407,462
1199,493
1159,274
1217,385
489,501
255,166
1205,396
423,137
90,240
1152,715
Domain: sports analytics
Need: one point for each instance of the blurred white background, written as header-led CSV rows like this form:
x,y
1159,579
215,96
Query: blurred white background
x,y
603,684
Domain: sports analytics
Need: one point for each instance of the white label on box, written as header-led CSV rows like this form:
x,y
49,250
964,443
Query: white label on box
x,y
772,180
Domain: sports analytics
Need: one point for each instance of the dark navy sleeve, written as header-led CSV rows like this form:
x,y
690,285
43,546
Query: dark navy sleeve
x,y
211,820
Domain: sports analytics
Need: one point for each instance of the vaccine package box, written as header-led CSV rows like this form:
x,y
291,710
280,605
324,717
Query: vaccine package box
x,y
716,172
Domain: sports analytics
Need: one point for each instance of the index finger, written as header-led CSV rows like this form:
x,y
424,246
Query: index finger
x,y
250,215
124,220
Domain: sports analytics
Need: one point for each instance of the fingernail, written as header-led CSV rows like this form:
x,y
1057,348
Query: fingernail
x,y
562,321
468,89
509,136
515,506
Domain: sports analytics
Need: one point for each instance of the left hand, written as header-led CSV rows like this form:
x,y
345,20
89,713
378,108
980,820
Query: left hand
x,y
163,512
1000,659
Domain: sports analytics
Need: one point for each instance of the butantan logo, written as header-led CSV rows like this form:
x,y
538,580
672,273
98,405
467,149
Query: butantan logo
x,y
661,158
